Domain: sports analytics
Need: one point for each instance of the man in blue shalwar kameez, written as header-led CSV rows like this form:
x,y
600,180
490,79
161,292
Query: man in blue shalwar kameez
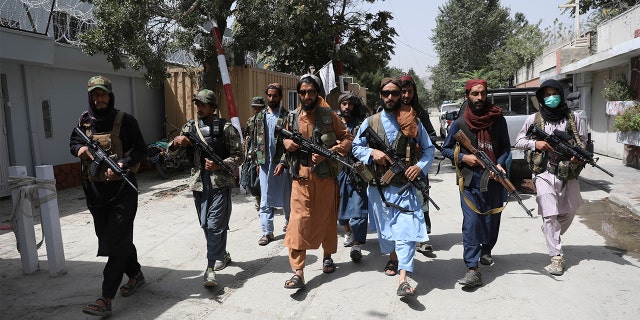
x,y
402,224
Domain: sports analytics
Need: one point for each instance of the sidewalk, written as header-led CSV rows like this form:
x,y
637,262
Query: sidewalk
x,y
171,249
623,188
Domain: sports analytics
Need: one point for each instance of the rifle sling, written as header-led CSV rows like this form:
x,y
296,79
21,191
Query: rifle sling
x,y
461,186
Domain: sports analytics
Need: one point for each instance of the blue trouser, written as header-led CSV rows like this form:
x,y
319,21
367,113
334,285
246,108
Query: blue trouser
x,y
214,213
405,250
266,218
358,227
479,232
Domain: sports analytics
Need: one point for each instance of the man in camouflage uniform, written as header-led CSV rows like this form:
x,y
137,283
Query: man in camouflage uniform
x,y
211,186
250,180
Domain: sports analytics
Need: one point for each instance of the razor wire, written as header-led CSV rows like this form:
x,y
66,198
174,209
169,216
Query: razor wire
x,y
63,20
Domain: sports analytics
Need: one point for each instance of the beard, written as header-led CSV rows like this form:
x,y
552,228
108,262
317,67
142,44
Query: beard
x,y
477,108
273,104
309,106
394,107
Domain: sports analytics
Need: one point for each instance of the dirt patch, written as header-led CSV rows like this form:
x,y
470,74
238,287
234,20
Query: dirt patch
x,y
171,192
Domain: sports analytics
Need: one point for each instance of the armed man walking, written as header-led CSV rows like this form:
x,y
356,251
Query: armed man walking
x,y
354,211
481,200
113,203
275,180
396,211
249,176
555,176
314,193
206,139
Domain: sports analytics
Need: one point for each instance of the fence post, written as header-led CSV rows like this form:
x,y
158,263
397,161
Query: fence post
x,y
25,233
51,223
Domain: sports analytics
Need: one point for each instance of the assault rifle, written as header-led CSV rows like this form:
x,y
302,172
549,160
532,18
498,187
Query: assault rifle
x,y
398,166
100,156
559,141
307,145
208,152
489,167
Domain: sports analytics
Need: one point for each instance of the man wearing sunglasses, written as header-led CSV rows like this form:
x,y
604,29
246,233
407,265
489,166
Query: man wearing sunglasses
x,y
314,193
396,212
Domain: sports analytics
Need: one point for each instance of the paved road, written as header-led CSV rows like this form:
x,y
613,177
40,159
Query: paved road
x,y
600,283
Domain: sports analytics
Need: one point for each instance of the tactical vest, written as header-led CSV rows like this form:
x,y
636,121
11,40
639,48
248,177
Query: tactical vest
x,y
110,142
322,134
213,136
406,148
257,148
540,161
467,172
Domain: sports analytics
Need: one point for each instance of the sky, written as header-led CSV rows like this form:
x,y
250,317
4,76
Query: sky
x,y
414,21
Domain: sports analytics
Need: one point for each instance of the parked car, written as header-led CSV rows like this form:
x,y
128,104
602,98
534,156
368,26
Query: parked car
x,y
446,120
444,108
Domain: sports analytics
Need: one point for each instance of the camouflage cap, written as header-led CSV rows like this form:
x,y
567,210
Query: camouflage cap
x,y
257,102
99,82
206,96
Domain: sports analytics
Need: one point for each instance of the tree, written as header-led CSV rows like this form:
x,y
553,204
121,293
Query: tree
x,y
466,33
290,34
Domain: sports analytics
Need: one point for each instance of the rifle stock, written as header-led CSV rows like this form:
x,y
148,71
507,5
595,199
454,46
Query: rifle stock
x,y
100,156
490,167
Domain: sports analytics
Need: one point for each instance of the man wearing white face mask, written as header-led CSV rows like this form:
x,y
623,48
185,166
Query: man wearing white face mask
x,y
556,178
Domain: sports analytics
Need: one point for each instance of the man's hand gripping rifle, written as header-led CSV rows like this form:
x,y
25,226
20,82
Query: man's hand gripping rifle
x,y
490,167
398,166
208,152
100,156
308,145
559,141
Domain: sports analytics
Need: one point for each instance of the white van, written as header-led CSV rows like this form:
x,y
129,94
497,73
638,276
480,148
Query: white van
x,y
448,112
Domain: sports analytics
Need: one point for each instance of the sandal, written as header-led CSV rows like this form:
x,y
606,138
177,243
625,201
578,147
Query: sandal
x,y
391,269
98,309
284,229
295,282
328,266
265,240
405,289
128,289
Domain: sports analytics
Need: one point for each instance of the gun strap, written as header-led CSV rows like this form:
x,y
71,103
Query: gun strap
x,y
461,186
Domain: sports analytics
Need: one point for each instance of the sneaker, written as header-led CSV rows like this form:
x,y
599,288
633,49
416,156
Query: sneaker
x,y
210,278
222,264
424,247
556,267
486,259
473,278
348,239
356,253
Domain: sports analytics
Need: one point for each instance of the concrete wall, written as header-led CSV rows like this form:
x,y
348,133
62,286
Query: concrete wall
x,y
619,30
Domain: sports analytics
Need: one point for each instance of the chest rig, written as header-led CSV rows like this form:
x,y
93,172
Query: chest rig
x,y
213,135
110,142
406,148
322,134
540,161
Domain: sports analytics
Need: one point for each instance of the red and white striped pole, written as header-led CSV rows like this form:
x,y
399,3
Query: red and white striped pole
x,y
340,79
226,80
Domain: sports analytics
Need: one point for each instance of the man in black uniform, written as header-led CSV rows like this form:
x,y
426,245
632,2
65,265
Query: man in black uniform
x,y
111,201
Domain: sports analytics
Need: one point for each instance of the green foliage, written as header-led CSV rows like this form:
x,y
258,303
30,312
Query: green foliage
x,y
629,120
467,33
290,35
293,35
618,89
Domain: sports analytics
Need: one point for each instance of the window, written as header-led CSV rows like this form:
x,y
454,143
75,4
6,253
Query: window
x,y
292,99
46,119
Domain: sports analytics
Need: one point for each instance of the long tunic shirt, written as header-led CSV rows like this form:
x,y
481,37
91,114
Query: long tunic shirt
x,y
315,200
391,223
275,190
552,195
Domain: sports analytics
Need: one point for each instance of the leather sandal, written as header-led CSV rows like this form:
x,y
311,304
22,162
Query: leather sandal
x,y
128,289
98,309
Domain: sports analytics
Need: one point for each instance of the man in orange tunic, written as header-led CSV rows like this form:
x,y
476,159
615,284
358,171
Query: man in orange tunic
x,y
314,192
